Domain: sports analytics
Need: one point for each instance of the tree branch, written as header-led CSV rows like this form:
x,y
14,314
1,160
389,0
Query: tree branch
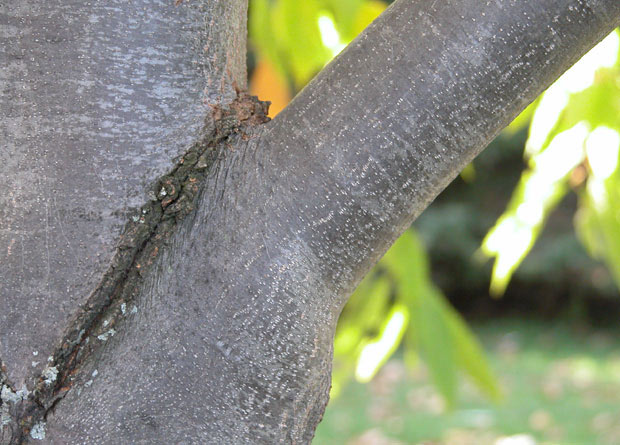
x,y
231,342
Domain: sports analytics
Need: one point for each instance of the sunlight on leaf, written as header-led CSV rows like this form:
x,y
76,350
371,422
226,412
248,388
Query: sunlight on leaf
x,y
376,353
587,96
369,10
361,319
367,311
329,34
523,118
598,219
538,192
602,150
298,38
576,79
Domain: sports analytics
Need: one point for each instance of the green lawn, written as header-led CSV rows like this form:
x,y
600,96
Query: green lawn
x,y
561,385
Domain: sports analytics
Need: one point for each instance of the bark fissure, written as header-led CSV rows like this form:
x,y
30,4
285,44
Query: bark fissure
x,y
233,338
171,199
99,99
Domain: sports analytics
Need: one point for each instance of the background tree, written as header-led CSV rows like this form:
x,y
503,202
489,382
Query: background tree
x,y
209,317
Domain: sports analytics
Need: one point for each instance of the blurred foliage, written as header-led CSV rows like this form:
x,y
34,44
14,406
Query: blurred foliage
x,y
299,37
573,138
398,301
561,380
573,144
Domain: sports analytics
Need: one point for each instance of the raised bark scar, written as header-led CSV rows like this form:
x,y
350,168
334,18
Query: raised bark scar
x,y
171,199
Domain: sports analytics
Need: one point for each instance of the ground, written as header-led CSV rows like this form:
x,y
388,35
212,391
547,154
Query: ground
x,y
561,382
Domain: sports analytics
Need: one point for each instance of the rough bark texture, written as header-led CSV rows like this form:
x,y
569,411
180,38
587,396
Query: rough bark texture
x,y
98,100
226,332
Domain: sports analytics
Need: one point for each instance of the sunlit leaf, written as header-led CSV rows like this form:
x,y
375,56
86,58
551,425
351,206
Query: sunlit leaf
x,y
344,13
549,118
329,34
295,25
363,316
598,220
537,194
522,119
376,352
360,322
585,97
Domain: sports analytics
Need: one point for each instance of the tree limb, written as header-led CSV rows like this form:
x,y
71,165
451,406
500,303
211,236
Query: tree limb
x,y
232,338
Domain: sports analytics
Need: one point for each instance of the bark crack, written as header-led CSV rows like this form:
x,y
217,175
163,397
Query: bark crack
x,y
171,199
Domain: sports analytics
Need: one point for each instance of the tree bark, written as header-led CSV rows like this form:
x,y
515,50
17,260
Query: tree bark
x,y
97,101
209,317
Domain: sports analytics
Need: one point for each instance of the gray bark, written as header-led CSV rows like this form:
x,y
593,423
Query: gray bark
x,y
214,323
97,100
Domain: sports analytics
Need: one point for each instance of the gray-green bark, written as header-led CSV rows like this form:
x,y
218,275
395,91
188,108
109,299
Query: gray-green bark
x,y
223,316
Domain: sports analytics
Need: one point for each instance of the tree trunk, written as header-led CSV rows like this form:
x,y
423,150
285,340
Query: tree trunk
x,y
172,272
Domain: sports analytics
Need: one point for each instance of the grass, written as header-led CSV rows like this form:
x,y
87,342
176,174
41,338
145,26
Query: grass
x,y
561,384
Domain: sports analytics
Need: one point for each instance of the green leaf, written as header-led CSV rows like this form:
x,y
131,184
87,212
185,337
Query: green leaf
x,y
344,12
436,330
470,355
261,35
378,350
296,29
437,345
468,174
363,315
585,97
539,191
560,107
368,12
406,262
523,118
598,219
